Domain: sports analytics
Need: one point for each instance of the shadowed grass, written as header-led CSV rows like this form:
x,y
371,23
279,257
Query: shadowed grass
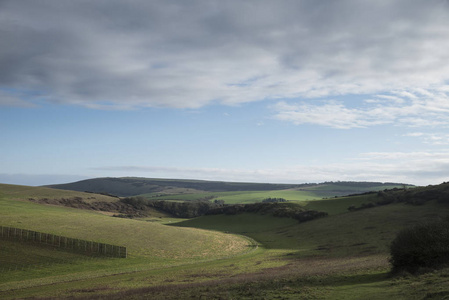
x,y
19,256
336,206
364,232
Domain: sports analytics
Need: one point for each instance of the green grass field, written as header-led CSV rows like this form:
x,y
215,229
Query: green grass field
x,y
314,192
364,232
141,238
21,192
338,206
150,245
242,197
243,256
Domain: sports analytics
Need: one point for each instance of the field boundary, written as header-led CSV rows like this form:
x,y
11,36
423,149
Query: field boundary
x,y
77,245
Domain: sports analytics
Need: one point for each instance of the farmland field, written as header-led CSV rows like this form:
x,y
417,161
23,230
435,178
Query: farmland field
x,y
242,197
306,193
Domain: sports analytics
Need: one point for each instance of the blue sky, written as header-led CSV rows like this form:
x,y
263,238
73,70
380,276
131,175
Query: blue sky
x,y
258,91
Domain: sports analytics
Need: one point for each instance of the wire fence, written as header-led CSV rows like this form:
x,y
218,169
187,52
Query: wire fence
x,y
77,245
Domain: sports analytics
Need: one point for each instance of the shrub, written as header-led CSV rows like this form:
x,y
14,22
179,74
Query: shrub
x,y
273,200
310,215
421,247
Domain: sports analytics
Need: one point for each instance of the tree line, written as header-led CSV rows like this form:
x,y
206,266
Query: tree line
x,y
191,209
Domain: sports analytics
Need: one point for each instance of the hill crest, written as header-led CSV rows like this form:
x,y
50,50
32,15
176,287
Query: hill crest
x,y
132,186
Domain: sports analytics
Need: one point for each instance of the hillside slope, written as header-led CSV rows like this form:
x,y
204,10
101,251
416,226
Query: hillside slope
x,y
342,256
143,239
132,186
23,192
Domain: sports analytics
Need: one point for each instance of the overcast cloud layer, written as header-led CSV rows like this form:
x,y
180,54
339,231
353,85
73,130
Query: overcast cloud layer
x,y
186,54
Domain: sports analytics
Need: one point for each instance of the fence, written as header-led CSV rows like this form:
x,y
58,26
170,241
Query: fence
x,y
77,245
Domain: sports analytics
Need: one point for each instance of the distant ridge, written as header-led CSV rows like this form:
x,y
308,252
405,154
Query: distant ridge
x,y
132,186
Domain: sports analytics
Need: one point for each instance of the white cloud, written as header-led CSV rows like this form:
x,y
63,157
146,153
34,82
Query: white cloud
x,y
421,108
403,156
416,167
189,54
431,138
415,134
420,168
330,114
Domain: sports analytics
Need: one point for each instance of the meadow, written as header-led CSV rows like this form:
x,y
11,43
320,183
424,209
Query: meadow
x,y
241,197
298,194
242,256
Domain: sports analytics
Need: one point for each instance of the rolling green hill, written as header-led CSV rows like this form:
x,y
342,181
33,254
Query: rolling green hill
x,y
364,232
22,192
150,245
142,238
342,256
131,186
185,190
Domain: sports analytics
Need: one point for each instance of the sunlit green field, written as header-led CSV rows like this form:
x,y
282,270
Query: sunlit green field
x,y
243,197
22,192
307,193
150,245
141,238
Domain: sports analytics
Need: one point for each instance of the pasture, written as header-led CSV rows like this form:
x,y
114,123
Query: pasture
x,y
22,192
300,195
241,197
244,256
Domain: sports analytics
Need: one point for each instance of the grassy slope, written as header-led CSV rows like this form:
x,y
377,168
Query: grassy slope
x,y
21,192
363,232
151,187
149,245
316,192
243,196
141,238
20,255
338,206
343,256
354,244
351,187
130,186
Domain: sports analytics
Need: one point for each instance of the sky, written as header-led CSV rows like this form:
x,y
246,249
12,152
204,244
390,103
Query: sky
x,y
256,91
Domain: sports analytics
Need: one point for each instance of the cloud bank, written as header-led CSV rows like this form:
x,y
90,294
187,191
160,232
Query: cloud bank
x,y
125,55
420,168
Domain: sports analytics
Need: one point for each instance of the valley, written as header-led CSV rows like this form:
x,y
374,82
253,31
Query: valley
x,y
344,255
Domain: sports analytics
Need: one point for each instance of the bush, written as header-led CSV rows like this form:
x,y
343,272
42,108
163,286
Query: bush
x,y
273,200
310,215
421,247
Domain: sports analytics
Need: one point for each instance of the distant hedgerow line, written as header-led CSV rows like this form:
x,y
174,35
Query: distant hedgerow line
x,y
77,245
